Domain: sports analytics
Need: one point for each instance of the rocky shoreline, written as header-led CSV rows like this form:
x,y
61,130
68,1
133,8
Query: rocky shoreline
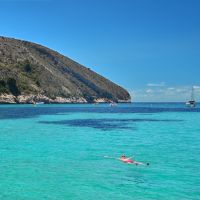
x,y
33,99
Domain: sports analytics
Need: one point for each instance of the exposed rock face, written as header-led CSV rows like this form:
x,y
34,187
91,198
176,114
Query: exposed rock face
x,y
32,73
32,99
6,98
102,100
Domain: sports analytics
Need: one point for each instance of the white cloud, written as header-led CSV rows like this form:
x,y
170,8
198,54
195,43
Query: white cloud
x,y
171,88
149,91
161,84
196,87
165,94
180,90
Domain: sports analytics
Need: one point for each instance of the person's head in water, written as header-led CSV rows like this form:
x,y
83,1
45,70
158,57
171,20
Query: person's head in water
x,y
123,156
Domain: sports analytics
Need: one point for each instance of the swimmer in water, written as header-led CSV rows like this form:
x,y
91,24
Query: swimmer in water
x,y
126,160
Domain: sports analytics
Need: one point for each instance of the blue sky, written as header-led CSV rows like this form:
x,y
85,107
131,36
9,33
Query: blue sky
x,y
150,47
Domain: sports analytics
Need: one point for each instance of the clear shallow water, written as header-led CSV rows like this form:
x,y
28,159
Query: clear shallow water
x,y
55,152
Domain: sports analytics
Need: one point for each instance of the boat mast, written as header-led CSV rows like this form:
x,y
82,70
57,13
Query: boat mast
x,y
192,94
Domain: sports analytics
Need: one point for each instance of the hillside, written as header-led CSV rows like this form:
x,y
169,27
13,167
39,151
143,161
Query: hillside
x,y
31,73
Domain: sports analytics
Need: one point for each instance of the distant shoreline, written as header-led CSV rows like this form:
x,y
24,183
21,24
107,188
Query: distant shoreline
x,y
91,103
42,99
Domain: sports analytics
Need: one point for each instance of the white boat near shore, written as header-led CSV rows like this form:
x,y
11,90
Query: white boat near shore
x,y
113,104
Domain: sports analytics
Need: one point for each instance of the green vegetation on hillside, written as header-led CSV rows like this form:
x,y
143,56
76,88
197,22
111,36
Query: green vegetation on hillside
x,y
28,68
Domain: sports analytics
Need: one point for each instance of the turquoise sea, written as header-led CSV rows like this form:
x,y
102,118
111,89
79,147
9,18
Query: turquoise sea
x,y
56,152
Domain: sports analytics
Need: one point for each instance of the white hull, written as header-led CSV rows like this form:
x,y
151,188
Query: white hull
x,y
190,104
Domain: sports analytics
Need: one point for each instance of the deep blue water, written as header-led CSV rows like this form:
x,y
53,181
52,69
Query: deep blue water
x,y
56,152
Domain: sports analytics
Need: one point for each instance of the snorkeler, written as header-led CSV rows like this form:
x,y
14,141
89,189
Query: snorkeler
x,y
124,159
128,160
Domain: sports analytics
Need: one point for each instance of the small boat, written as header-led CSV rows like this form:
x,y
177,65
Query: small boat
x,y
38,103
113,104
191,103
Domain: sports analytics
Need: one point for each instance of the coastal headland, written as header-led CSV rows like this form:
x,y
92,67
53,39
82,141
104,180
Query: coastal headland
x,y
31,73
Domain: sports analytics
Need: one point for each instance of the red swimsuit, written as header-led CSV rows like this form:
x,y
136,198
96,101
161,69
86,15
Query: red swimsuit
x,y
128,161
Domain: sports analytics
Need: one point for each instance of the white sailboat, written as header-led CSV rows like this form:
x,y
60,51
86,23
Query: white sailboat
x,y
191,103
